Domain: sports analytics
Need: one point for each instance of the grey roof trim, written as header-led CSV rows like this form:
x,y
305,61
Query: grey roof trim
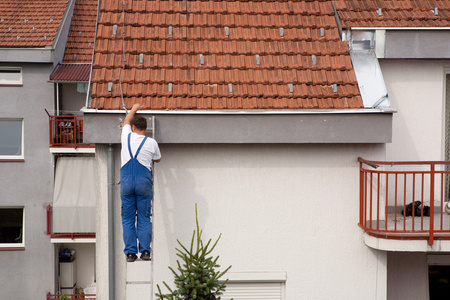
x,y
400,28
246,112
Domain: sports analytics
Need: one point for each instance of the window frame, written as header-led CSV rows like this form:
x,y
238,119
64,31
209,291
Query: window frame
x,y
6,82
15,246
14,158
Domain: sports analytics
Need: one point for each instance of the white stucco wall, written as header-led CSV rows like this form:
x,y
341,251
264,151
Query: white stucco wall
x,y
416,90
289,208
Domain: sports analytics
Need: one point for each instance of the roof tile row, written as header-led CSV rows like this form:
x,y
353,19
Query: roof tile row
x,y
405,13
216,103
224,90
221,7
222,61
221,76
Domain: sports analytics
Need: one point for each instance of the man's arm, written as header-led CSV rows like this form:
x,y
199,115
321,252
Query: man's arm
x,y
131,114
157,161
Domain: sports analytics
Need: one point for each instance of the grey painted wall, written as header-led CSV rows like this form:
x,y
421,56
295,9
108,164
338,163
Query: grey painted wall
x,y
29,184
250,128
407,275
434,44
72,100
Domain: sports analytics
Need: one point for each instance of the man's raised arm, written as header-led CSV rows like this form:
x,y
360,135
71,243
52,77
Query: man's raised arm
x,y
131,114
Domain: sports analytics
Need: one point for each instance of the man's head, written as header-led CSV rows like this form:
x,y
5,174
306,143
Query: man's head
x,y
139,123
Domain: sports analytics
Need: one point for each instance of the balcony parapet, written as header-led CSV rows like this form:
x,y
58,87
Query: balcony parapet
x,y
67,131
387,192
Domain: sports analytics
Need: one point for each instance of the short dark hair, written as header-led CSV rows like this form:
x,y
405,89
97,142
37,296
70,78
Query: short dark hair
x,y
139,122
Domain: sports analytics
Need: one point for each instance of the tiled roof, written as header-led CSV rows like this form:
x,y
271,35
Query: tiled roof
x,y
71,72
30,23
404,13
221,55
80,42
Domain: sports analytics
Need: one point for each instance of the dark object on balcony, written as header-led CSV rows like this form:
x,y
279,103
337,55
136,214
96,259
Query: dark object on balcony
x,y
408,211
66,255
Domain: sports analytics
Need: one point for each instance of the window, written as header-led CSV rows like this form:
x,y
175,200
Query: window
x,y
11,228
11,137
10,76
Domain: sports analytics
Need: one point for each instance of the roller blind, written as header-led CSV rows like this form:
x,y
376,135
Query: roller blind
x,y
253,291
74,195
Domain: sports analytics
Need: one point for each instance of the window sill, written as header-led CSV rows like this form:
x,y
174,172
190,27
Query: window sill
x,y
12,160
12,248
16,85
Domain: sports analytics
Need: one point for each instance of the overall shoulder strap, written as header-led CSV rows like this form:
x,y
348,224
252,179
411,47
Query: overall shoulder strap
x,y
140,146
129,146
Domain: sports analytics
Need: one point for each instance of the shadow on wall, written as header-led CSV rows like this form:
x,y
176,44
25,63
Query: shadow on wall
x,y
179,216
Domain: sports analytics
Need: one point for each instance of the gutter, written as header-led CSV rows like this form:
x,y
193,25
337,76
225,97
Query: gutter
x,y
247,112
111,247
400,28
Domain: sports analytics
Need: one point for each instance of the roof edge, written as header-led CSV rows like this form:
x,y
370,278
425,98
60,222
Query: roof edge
x,y
398,28
248,112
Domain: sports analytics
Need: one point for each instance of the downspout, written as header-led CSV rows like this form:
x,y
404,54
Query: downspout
x,y
57,98
111,194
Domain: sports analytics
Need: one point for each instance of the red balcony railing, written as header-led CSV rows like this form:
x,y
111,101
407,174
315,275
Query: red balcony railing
x,y
405,200
70,235
71,296
66,131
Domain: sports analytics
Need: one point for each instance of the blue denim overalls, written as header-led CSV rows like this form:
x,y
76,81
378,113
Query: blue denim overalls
x,y
136,192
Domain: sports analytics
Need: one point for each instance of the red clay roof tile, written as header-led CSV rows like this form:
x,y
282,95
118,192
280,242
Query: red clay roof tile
x,y
222,55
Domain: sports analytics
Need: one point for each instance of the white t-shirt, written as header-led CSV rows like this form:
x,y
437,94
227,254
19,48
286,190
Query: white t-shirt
x,y
149,151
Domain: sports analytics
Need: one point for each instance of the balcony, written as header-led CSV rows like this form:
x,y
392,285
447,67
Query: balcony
x,y
66,131
64,237
387,214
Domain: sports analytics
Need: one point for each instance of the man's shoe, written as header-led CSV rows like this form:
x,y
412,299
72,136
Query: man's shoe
x,y
145,255
131,257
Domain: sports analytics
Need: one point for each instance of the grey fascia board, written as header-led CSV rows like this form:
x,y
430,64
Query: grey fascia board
x,y
412,42
244,128
400,28
28,55
246,112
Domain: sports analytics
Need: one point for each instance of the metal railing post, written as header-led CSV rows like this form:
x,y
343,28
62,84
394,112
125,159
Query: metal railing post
x,y
361,194
432,174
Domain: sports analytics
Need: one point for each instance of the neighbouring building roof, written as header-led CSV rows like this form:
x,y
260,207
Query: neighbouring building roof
x,y
221,55
79,48
30,23
80,42
405,13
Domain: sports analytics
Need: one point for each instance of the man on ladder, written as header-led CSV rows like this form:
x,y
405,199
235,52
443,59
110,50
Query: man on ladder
x,y
136,184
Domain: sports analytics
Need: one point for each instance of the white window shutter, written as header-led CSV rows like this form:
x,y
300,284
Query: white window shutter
x,y
253,291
